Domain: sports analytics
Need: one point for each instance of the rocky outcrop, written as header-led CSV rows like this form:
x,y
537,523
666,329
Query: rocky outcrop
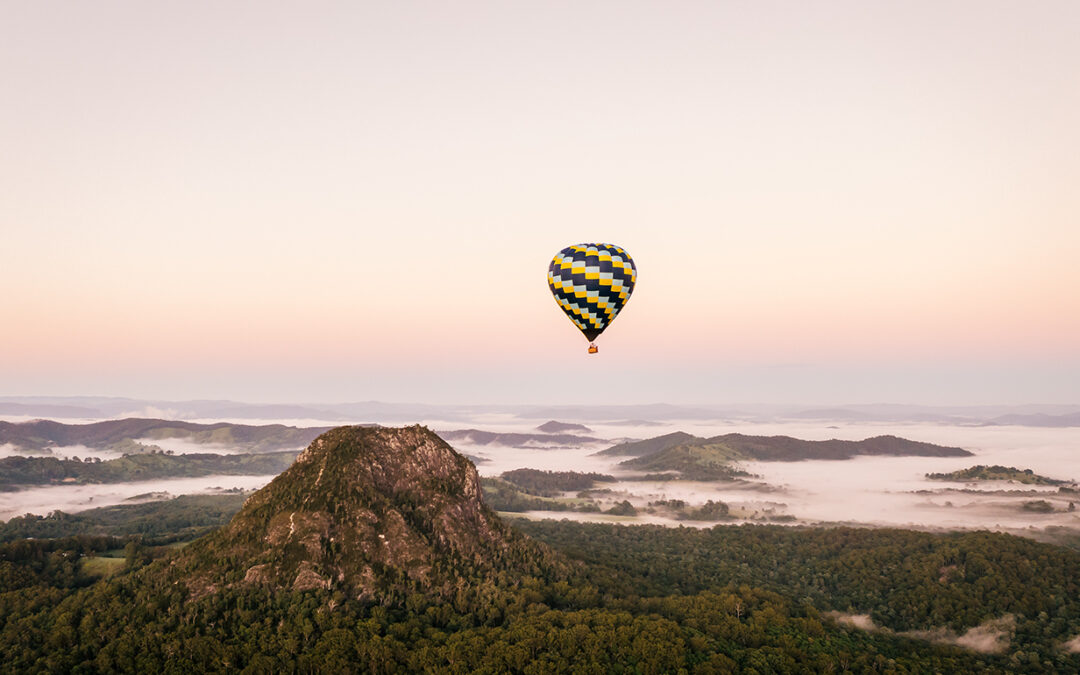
x,y
369,511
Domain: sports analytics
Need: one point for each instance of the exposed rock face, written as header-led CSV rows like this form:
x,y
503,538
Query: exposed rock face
x,y
369,511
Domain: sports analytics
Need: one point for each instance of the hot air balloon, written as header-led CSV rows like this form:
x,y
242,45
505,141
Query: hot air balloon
x,y
591,283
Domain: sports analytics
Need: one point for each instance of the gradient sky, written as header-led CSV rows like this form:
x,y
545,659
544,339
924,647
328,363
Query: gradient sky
x,y
828,202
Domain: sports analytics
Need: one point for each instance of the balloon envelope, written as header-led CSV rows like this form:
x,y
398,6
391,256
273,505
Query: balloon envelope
x,y
591,283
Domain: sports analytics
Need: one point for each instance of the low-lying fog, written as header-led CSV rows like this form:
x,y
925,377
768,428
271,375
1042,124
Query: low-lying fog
x,y
176,446
870,490
184,446
74,498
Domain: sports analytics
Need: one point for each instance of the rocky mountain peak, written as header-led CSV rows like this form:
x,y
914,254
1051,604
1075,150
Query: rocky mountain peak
x,y
369,511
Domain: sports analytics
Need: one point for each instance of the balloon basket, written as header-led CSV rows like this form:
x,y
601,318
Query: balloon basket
x,y
592,348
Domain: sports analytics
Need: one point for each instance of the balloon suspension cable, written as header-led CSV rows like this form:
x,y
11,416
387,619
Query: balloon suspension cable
x,y
592,348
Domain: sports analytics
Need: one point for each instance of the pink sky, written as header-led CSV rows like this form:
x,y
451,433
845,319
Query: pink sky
x,y
842,202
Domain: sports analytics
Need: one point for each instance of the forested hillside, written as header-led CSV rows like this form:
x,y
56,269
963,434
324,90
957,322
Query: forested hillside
x,y
39,435
22,471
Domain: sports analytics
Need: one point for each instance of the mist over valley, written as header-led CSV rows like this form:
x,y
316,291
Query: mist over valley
x,y
878,490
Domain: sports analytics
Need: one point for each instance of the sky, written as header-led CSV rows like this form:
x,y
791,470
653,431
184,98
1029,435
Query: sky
x,y
828,202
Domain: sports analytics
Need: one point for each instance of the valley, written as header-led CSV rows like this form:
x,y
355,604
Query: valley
x,y
762,472
376,550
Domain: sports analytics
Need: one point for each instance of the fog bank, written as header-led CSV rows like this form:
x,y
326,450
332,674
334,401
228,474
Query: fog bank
x,y
74,498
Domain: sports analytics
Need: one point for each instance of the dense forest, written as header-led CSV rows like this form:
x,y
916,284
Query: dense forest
x,y
643,599
502,495
905,580
551,483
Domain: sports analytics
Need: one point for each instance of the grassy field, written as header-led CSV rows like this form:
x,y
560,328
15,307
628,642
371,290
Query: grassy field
x,y
103,565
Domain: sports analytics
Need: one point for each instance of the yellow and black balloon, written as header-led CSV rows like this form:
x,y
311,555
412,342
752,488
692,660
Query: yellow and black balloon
x,y
591,283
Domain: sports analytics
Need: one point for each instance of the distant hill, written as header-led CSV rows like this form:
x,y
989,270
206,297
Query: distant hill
x,y
38,435
788,449
699,461
997,472
832,414
652,445
95,407
554,427
1038,420
46,410
650,411
16,472
785,448
515,440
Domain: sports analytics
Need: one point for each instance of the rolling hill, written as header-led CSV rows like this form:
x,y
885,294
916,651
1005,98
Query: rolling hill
x,y
786,448
39,435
